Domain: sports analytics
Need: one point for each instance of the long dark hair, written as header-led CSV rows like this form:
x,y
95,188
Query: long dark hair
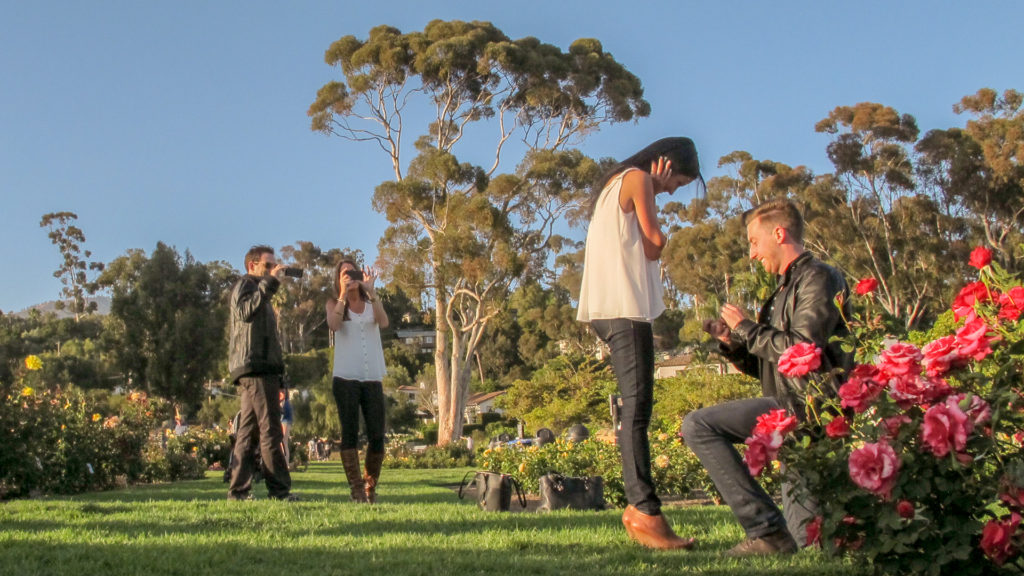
x,y
679,149
337,286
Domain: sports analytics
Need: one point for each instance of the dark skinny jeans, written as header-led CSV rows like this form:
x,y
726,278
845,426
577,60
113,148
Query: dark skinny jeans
x,y
632,347
353,396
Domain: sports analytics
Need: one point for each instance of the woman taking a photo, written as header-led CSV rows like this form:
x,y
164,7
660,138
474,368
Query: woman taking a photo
x,y
356,315
621,296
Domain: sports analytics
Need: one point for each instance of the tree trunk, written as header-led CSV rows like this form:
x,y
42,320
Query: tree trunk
x,y
442,371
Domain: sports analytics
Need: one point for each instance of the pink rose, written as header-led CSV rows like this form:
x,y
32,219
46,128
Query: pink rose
x,y
971,294
861,388
1011,304
905,508
945,428
910,390
875,468
839,427
778,421
866,286
997,539
758,454
976,408
814,532
973,340
893,424
980,257
799,359
900,359
942,355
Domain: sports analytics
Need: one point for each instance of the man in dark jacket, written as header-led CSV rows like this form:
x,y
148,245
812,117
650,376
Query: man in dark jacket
x,y
257,367
802,309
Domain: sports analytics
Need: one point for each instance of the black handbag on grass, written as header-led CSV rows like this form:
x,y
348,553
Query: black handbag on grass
x,y
557,492
494,490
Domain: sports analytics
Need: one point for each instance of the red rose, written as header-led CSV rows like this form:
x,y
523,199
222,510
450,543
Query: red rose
x,y
905,508
799,359
973,340
1012,304
866,286
900,359
1011,494
945,428
980,257
941,355
777,421
971,294
814,532
861,388
838,427
875,468
997,539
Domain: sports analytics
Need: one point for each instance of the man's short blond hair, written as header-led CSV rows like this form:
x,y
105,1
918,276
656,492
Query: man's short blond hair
x,y
779,212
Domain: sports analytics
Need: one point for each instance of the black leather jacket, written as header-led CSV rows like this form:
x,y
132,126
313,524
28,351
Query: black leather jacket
x,y
802,309
254,348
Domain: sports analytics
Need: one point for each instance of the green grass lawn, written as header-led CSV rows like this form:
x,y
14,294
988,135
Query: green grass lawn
x,y
418,527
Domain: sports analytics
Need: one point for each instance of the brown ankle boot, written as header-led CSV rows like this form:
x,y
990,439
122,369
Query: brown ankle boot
x,y
652,531
350,461
374,461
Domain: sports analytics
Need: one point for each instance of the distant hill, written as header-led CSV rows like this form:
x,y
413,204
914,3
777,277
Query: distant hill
x,y
102,308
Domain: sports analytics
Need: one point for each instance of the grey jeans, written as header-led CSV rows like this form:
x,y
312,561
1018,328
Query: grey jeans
x,y
711,433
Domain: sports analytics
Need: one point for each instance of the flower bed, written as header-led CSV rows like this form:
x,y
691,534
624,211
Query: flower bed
x,y
918,465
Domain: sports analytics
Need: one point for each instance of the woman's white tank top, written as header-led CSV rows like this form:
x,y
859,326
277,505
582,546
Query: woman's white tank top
x,y
618,280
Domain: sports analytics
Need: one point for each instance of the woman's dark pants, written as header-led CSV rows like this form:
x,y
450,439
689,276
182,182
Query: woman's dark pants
x,y
632,347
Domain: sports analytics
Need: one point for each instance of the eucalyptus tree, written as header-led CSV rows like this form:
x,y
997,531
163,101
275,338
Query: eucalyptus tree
x,y
706,258
463,227
997,127
877,221
300,301
76,266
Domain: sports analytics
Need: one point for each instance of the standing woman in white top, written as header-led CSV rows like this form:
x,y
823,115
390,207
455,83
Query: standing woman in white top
x,y
356,315
621,296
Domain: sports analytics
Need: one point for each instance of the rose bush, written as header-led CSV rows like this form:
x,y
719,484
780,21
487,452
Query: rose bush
x,y
918,465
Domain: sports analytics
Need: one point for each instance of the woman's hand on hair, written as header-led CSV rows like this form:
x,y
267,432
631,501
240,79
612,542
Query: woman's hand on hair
x,y
661,172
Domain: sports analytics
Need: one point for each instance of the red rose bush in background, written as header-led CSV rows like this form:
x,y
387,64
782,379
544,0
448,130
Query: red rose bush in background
x,y
918,463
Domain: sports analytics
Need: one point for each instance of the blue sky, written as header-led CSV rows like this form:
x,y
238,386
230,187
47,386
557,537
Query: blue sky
x,y
185,122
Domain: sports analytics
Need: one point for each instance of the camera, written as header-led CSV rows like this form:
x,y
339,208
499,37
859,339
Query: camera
x,y
354,275
293,272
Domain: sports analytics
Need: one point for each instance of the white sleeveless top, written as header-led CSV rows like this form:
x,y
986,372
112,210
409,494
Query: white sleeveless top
x,y
358,354
618,280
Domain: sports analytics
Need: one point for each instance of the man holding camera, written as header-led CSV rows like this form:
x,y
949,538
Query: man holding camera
x,y
257,369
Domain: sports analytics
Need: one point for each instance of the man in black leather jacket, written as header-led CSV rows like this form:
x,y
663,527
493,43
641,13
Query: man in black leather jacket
x,y
257,367
802,309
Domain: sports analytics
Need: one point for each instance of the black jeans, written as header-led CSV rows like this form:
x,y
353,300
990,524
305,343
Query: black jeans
x,y
260,422
711,433
632,347
353,396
